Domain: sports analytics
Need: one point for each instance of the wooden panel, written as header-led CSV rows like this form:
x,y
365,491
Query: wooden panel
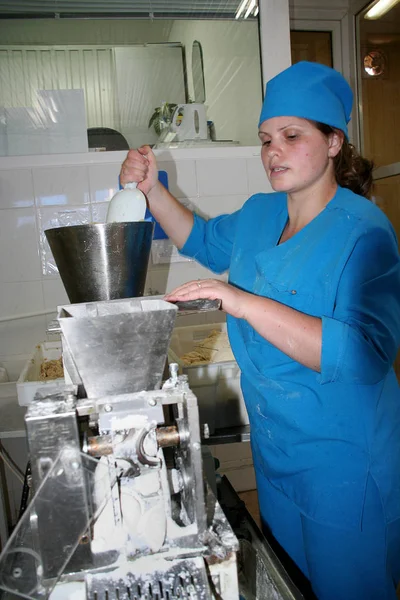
x,y
315,46
387,192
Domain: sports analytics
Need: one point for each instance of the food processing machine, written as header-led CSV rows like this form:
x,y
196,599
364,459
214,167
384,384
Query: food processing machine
x,y
121,509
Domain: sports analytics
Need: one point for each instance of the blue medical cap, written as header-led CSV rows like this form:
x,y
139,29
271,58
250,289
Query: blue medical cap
x,y
310,91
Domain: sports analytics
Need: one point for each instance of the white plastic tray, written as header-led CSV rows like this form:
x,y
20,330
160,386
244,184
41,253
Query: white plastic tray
x,y
29,380
216,385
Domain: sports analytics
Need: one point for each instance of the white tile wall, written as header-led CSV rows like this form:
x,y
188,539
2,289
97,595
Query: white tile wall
x,y
19,248
257,178
221,177
40,192
61,186
16,188
54,293
103,181
182,181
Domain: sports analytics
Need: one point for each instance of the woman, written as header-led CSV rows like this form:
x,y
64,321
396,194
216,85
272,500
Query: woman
x,y
313,307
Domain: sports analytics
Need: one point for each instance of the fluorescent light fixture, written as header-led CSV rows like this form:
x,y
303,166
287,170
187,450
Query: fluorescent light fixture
x,y
380,8
250,8
241,9
246,7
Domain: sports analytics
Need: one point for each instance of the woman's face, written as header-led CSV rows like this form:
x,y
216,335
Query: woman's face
x,y
295,154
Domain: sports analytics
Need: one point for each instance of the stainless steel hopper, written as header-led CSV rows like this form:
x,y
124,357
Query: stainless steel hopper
x,y
116,347
102,261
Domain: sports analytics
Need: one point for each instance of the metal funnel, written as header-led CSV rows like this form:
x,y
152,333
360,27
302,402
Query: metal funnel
x,y
102,261
116,347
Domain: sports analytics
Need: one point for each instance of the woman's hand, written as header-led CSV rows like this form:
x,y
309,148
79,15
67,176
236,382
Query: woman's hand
x,y
233,300
140,166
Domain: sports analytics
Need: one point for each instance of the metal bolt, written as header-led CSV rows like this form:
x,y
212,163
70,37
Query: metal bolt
x,y
173,371
17,572
206,431
108,408
152,401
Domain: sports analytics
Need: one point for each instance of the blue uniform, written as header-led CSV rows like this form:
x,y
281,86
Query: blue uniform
x,y
319,439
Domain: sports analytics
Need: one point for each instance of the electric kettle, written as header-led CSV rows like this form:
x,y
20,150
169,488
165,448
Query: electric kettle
x,y
189,122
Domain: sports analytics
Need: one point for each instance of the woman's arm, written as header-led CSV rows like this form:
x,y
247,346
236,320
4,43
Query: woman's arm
x,y
176,220
358,343
173,216
360,340
296,334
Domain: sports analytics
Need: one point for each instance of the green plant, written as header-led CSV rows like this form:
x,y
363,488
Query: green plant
x,y
162,116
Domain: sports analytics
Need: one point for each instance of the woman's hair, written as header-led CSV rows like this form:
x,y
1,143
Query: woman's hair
x,y
352,170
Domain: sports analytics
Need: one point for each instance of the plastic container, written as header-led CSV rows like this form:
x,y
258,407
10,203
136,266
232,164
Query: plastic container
x,y
216,385
29,380
127,205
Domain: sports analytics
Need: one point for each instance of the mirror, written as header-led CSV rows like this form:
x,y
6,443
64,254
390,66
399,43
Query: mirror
x,y
61,77
199,88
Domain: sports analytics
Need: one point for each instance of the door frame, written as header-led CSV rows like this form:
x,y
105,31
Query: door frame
x,y
343,52
333,27
391,169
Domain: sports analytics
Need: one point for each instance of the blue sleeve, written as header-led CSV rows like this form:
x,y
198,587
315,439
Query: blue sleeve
x,y
361,339
211,242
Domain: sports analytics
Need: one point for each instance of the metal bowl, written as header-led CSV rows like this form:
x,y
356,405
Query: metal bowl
x,y
102,261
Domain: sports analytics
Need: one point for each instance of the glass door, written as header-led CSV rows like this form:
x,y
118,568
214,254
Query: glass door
x,y
378,62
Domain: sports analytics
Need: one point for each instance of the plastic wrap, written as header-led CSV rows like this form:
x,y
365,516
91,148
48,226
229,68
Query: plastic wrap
x,y
58,218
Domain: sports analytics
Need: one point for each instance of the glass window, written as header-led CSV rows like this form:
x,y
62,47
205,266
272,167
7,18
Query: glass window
x,y
379,84
378,71
117,80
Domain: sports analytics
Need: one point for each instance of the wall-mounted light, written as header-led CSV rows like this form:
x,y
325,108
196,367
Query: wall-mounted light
x,y
380,8
247,8
374,63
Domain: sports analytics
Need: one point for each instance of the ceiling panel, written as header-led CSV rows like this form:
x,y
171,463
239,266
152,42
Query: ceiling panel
x,y
156,8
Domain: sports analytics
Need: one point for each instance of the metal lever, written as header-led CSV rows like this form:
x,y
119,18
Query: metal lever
x,y
53,327
189,307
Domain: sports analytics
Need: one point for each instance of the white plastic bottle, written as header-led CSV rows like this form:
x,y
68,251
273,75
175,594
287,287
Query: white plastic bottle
x,y
127,205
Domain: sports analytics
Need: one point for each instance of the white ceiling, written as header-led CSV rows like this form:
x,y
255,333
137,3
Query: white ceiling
x,y
158,8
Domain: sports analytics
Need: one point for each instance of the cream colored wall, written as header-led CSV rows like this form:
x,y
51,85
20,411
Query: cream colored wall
x,y
232,73
83,31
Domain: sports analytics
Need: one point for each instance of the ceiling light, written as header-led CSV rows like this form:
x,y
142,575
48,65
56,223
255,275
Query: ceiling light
x,y
247,8
380,8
